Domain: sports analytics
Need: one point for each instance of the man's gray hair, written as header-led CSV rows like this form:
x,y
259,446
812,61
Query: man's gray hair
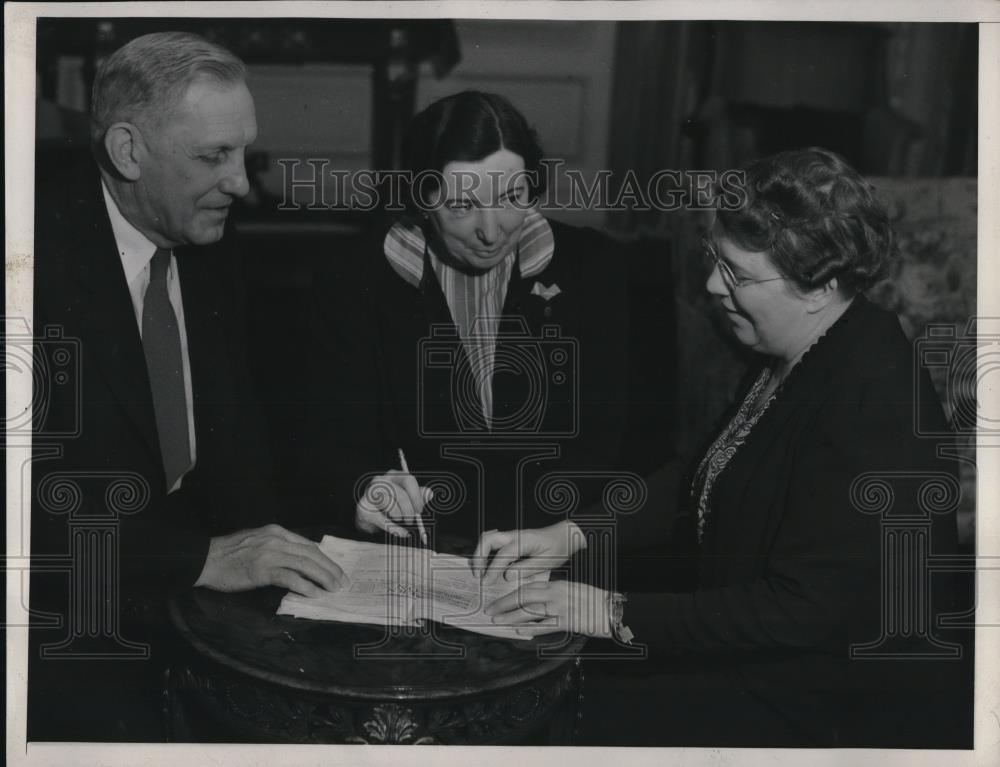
x,y
147,77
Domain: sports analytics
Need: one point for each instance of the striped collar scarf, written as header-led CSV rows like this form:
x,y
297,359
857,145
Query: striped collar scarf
x,y
475,301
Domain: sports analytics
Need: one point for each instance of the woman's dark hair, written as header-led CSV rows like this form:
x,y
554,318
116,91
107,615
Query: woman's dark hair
x,y
468,127
816,217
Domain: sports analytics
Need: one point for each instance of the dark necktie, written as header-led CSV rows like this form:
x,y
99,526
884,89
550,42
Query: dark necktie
x,y
161,343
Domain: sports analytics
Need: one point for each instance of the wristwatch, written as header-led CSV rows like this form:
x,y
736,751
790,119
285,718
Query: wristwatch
x,y
616,612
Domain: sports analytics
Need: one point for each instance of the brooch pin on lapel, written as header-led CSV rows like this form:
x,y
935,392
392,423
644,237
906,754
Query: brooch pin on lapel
x,y
547,293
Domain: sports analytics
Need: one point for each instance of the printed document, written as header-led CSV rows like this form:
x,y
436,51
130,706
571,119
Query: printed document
x,y
402,586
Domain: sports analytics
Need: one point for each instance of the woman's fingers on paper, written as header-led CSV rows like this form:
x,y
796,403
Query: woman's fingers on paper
x,y
532,569
537,629
489,542
528,613
502,560
526,574
531,594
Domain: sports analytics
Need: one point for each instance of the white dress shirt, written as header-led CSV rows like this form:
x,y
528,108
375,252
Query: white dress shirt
x,y
136,252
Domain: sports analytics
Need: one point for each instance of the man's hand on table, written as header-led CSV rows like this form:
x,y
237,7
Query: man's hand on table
x,y
269,556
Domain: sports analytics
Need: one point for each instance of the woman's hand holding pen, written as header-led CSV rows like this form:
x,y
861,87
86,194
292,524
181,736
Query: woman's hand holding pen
x,y
393,502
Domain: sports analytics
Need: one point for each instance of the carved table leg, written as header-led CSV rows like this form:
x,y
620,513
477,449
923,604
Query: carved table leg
x,y
178,729
565,722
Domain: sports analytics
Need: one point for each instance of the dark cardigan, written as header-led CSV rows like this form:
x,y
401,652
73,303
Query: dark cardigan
x,y
375,393
789,573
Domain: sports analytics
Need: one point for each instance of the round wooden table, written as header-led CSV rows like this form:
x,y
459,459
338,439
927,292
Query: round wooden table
x,y
244,674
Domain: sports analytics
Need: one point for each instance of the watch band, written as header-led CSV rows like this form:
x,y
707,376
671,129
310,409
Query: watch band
x,y
616,613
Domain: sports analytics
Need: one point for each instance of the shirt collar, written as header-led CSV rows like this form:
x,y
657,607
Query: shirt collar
x,y
134,248
405,244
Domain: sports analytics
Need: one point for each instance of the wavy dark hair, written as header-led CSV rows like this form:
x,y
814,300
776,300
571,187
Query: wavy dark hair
x,y
468,127
816,217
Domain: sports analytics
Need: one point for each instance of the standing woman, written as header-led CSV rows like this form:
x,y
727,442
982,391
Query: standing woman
x,y
789,575
472,319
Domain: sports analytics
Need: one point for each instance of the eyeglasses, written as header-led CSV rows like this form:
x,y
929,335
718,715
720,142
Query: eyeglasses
x,y
731,280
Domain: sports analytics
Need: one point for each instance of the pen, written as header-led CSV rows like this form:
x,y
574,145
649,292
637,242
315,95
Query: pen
x,y
420,521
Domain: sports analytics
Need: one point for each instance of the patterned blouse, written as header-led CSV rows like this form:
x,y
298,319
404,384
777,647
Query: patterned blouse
x,y
725,446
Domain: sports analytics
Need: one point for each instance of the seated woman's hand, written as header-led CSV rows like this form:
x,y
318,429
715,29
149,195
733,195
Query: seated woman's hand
x,y
545,608
530,551
392,502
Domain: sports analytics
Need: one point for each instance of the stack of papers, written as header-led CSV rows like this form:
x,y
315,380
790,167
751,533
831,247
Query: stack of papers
x,y
394,585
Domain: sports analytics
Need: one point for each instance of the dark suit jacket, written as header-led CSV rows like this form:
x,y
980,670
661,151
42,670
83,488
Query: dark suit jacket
x,y
381,383
101,424
789,572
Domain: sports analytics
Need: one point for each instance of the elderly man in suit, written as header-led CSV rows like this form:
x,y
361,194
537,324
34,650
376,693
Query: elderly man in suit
x,y
131,264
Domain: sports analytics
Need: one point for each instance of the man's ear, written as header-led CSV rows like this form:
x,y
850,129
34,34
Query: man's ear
x,y
123,145
819,298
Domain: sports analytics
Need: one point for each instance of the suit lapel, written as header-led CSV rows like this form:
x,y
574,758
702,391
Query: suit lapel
x,y
206,340
517,292
434,304
536,310
114,335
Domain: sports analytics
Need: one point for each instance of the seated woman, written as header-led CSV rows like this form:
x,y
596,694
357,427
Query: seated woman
x,y
789,573
476,340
